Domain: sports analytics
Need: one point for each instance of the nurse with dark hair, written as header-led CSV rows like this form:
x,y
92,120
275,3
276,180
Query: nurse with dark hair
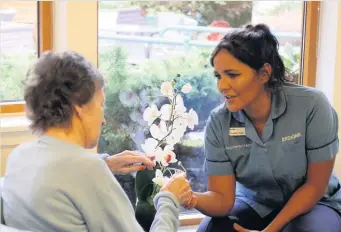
x,y
270,148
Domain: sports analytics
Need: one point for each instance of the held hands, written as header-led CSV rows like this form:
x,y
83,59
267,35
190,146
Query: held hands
x,y
128,161
192,202
133,161
179,186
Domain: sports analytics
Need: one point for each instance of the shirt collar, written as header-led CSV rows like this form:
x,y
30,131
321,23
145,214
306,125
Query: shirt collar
x,y
278,107
278,104
47,139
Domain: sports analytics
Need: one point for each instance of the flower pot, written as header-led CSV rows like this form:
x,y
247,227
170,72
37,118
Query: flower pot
x,y
145,211
145,214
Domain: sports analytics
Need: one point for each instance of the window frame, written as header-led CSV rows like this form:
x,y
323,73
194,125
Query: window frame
x,y
310,36
45,43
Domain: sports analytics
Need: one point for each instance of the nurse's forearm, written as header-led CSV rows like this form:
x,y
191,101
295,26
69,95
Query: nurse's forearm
x,y
303,200
213,204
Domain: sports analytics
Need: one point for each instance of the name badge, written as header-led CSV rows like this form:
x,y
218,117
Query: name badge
x,y
237,131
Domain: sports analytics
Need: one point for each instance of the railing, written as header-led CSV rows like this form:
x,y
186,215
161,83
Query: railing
x,y
186,41
287,35
145,39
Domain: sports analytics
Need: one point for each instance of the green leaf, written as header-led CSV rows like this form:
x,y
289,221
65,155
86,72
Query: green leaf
x,y
144,184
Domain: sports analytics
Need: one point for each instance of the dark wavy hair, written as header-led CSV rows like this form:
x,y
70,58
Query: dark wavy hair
x,y
255,46
54,84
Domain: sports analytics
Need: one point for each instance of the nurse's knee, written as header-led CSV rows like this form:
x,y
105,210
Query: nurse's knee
x,y
299,225
320,218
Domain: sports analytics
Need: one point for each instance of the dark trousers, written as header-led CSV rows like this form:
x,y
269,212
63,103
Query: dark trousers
x,y
320,219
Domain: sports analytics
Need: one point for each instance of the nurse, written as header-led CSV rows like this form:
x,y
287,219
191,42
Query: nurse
x,y
270,148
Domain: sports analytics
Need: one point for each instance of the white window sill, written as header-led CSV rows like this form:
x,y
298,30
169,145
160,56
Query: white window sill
x,y
13,123
191,219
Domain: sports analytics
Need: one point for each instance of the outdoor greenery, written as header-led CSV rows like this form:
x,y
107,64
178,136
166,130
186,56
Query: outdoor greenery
x,y
279,7
13,70
291,57
236,13
131,88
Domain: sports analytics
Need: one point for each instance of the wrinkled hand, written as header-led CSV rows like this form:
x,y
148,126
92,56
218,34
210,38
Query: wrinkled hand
x,y
128,161
179,186
242,229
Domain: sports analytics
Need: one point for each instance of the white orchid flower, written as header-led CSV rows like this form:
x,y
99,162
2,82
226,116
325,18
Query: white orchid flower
x,y
159,179
167,89
149,146
192,119
153,152
166,110
175,136
179,100
186,88
168,157
168,148
175,114
150,114
181,122
179,105
159,131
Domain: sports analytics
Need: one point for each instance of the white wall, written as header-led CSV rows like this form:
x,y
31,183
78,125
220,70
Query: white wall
x,y
60,25
337,85
327,48
329,59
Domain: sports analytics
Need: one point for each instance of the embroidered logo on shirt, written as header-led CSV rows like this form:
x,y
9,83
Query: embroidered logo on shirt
x,y
291,137
237,146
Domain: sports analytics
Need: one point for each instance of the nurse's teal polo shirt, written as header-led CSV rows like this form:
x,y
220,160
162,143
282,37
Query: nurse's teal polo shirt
x,y
302,129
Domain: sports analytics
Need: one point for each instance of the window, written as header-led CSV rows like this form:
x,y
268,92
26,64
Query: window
x,y
23,35
142,43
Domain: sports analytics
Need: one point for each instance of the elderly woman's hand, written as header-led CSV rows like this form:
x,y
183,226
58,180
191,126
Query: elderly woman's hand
x,y
128,161
179,186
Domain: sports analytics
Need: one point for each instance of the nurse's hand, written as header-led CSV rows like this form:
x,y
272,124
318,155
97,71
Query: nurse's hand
x,y
179,186
242,229
191,203
128,161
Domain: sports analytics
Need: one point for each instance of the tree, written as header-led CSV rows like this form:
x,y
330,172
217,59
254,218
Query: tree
x,y
236,13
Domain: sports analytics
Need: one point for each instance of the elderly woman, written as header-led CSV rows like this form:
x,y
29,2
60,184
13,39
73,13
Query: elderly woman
x,y
270,148
54,183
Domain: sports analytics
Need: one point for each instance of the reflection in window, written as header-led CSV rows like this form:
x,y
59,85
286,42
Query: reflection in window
x,y
144,43
18,45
